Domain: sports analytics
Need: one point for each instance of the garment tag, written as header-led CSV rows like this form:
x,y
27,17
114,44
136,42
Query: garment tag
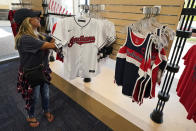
x,y
81,20
92,71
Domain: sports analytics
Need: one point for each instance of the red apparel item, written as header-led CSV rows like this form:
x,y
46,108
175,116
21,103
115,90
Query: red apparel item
x,y
186,88
58,53
53,28
13,24
158,58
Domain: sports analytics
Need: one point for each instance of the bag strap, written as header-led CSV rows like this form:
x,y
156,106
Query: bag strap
x,y
42,56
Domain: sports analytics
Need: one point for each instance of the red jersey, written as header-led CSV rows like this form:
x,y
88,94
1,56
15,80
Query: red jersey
x,y
186,88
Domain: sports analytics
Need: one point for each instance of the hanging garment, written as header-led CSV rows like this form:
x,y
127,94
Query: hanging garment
x,y
82,42
157,63
128,62
137,66
186,88
13,23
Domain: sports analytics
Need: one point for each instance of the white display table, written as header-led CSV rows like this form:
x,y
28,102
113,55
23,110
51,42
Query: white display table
x,y
106,102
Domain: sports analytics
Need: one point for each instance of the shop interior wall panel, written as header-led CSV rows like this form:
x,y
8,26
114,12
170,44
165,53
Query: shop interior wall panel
x,y
125,12
36,4
4,7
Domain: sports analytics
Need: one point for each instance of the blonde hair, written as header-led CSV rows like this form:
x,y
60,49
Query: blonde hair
x,y
26,29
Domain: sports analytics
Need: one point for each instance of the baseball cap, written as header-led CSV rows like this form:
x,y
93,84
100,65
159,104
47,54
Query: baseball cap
x,y
23,13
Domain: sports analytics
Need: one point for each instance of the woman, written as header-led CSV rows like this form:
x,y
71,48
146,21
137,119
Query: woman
x,y
33,51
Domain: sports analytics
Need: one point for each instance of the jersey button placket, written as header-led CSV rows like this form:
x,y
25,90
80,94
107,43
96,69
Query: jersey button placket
x,y
80,56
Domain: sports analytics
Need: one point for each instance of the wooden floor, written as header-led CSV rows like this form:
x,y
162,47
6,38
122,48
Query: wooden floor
x,y
69,115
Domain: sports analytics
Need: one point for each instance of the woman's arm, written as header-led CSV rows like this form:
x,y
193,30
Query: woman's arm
x,y
51,45
48,45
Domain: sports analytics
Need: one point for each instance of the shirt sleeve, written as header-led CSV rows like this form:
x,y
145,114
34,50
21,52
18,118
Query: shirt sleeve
x,y
107,33
110,32
120,65
31,44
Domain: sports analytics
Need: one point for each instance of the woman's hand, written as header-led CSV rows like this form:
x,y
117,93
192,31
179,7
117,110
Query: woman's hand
x,y
53,40
51,45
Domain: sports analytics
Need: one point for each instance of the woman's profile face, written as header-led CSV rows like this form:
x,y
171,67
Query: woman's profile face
x,y
35,22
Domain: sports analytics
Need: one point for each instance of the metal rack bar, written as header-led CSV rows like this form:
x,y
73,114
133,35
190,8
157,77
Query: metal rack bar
x,y
172,67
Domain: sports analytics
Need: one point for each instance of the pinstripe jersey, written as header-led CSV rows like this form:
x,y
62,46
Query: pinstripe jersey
x,y
82,41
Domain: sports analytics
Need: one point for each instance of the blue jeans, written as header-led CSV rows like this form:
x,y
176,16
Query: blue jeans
x,y
44,91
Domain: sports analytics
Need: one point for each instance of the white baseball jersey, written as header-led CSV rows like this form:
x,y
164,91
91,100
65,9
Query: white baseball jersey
x,y
82,42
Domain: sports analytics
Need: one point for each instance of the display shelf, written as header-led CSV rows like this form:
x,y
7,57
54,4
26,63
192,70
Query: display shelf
x,y
105,101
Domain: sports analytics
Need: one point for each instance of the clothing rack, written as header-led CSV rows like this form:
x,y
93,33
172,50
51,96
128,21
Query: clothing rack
x,y
60,14
86,6
187,16
126,12
151,11
21,5
148,11
92,7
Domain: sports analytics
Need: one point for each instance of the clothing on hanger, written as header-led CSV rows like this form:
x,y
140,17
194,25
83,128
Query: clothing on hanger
x,y
137,65
83,40
150,24
131,56
186,88
139,78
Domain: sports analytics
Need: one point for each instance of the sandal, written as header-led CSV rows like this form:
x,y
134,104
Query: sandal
x,y
33,122
49,116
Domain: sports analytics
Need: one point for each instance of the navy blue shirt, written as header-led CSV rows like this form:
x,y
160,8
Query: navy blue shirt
x,y
30,51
